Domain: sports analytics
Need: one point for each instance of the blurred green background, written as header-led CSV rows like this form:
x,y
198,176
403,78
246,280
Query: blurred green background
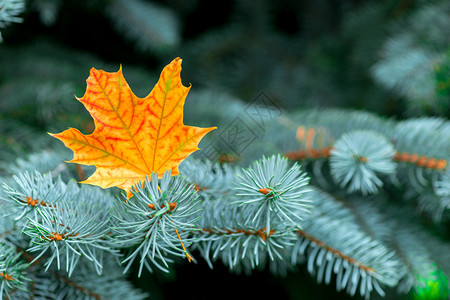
x,y
391,57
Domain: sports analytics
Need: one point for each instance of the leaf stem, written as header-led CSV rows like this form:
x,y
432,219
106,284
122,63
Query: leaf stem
x,y
189,257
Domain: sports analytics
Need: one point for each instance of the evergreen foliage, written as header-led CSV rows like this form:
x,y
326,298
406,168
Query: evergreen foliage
x,y
331,155
9,12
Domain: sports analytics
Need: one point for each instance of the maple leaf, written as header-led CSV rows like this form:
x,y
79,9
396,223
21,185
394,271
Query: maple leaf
x,y
133,136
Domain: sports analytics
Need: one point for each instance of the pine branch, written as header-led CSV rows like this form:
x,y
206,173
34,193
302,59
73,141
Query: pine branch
x,y
411,58
155,223
149,25
337,245
83,283
241,248
11,270
358,158
269,187
9,11
61,219
318,144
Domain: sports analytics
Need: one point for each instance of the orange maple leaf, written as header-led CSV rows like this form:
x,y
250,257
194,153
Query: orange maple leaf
x,y
133,136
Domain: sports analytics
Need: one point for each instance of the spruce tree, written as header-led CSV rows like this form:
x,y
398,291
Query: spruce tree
x,y
328,174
